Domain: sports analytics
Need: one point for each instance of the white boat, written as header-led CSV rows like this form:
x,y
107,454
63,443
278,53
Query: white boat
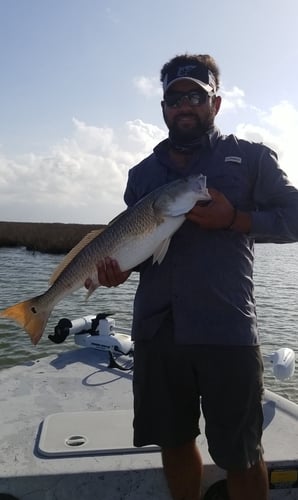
x,y
66,426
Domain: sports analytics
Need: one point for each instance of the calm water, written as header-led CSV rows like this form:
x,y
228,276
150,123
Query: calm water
x,y
24,274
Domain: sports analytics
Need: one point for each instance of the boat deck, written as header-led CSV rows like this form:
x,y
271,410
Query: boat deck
x,y
66,433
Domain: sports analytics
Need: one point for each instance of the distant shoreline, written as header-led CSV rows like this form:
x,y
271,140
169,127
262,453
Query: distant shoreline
x,y
45,237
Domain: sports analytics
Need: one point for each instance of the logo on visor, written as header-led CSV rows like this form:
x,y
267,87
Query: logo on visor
x,y
185,70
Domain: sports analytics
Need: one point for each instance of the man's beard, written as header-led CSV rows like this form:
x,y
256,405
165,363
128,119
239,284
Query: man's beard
x,y
180,134
188,139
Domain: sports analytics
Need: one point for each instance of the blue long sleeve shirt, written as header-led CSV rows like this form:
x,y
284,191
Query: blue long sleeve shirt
x,y
206,277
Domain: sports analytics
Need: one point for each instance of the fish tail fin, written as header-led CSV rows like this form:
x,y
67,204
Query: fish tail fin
x,y
28,317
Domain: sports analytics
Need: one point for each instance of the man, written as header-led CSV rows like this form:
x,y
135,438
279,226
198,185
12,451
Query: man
x,y
194,325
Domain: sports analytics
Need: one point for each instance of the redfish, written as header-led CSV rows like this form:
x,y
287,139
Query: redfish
x,y
138,233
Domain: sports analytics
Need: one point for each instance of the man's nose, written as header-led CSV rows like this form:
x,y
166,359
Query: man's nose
x,y
184,101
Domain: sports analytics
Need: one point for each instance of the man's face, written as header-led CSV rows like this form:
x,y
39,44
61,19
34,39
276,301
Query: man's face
x,y
187,121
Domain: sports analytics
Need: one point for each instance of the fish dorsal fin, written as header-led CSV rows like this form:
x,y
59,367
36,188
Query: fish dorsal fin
x,y
73,252
161,251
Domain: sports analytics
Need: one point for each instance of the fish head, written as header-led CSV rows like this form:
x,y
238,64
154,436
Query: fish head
x,y
180,196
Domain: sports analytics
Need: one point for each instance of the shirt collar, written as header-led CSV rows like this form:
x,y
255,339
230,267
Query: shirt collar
x,y
208,139
212,136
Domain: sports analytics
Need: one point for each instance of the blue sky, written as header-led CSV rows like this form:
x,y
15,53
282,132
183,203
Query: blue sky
x,y
80,93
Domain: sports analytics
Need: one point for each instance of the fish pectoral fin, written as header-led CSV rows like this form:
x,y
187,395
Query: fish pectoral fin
x,y
176,210
93,284
161,251
172,207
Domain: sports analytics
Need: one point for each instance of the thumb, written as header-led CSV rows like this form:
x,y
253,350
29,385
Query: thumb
x,y
215,195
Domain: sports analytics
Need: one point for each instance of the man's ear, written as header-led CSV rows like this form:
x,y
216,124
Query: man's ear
x,y
217,103
163,109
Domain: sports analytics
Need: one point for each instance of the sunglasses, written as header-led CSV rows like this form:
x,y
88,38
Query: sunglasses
x,y
174,99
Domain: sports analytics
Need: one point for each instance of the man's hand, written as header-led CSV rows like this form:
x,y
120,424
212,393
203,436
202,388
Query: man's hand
x,y
109,274
217,214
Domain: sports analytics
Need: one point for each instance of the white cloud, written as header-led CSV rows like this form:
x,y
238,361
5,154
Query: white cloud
x,y
233,99
148,86
144,135
278,129
82,179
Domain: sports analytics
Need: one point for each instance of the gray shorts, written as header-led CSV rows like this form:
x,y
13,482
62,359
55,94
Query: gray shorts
x,y
172,383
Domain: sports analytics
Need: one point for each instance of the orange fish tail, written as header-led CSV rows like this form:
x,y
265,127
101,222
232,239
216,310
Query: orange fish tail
x,y
26,314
